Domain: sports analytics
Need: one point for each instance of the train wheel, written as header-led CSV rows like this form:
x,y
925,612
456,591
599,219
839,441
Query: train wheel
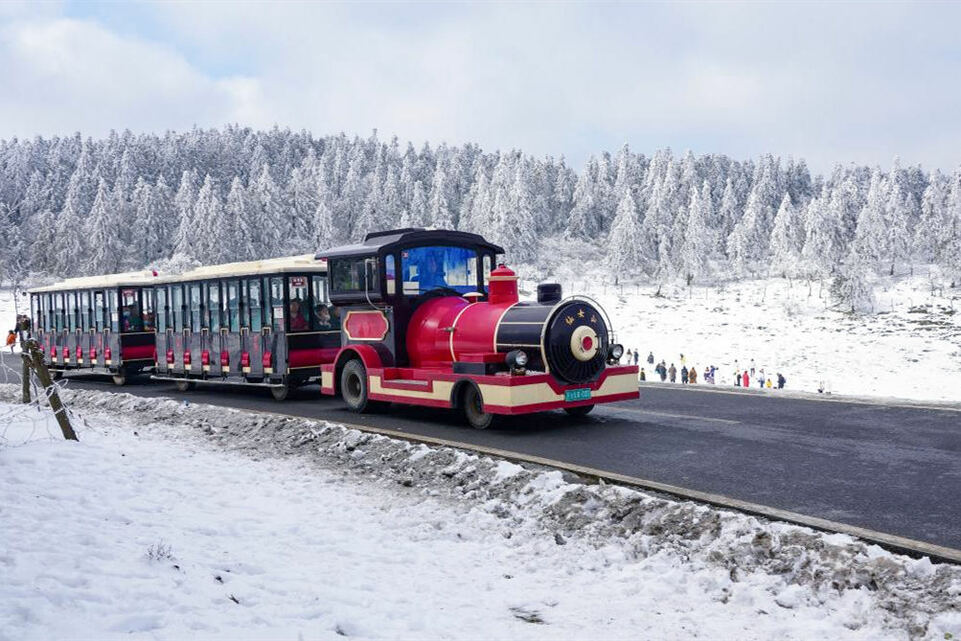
x,y
580,410
119,379
183,386
280,393
353,386
56,374
474,409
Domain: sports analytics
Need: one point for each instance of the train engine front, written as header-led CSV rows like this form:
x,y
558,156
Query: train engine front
x,y
552,353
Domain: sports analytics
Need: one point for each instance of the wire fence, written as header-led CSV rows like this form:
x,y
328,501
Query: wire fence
x,y
23,423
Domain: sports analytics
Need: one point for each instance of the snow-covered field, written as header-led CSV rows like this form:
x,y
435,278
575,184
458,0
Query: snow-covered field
x,y
195,522
910,348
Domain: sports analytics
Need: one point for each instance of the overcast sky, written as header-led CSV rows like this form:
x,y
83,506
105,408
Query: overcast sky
x,y
822,81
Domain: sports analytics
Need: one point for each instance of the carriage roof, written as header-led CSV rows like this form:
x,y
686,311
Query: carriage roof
x,y
286,264
137,278
384,242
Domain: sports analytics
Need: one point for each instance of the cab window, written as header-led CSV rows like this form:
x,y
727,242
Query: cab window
x,y
347,276
390,275
438,267
299,306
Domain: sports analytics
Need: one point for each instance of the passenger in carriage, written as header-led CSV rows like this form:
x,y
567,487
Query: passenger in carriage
x,y
322,317
131,320
148,322
297,321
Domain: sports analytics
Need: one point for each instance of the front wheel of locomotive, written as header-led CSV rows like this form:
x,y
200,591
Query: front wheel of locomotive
x,y
353,388
119,379
183,385
580,410
474,409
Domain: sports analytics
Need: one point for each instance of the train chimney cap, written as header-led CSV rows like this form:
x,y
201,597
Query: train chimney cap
x,y
503,272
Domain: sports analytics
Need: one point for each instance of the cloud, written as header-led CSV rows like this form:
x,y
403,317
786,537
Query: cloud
x,y
61,75
826,82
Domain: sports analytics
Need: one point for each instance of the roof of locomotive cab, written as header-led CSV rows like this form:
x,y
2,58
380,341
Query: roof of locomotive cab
x,y
385,241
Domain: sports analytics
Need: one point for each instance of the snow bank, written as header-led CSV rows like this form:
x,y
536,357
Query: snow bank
x,y
538,553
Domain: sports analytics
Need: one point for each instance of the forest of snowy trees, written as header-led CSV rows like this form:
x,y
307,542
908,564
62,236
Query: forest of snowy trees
x,y
71,206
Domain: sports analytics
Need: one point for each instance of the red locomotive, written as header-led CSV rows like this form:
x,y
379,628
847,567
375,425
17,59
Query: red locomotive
x,y
428,320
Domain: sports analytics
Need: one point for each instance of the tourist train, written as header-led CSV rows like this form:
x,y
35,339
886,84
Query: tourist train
x,y
413,316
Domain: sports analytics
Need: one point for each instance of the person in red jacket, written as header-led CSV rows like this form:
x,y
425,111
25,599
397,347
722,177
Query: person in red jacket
x,y
745,379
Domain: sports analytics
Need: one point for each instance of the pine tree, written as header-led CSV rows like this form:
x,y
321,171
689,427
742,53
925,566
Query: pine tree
x,y
440,215
269,212
871,238
696,240
106,248
325,232
213,227
625,242
823,236
184,203
929,235
243,224
786,239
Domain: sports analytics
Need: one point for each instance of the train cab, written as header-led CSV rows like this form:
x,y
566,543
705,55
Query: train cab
x,y
99,324
430,318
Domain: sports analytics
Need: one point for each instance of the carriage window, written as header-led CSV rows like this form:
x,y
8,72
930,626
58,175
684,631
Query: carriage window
x,y
196,306
347,276
320,317
161,295
58,312
255,304
233,305
277,302
99,311
177,307
48,312
71,311
85,314
36,315
213,306
149,314
391,274
299,306
131,318
487,269
427,268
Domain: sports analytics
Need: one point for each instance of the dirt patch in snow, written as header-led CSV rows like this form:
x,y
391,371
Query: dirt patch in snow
x,y
918,597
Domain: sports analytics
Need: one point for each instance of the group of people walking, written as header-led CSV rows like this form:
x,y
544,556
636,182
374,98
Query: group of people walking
x,y
690,376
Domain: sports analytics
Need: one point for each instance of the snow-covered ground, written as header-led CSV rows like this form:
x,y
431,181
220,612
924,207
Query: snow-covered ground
x,y
195,522
909,348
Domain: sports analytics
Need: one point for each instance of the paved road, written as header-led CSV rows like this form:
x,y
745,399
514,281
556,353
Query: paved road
x,y
892,469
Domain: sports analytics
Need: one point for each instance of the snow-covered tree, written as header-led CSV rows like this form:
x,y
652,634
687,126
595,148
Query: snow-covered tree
x,y
786,239
697,240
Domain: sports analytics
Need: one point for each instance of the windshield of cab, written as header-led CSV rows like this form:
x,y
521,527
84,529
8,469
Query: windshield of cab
x,y
435,267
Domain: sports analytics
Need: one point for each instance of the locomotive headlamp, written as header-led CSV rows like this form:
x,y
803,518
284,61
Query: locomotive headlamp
x,y
616,351
516,359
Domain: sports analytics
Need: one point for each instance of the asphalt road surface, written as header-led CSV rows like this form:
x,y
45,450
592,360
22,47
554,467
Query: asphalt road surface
x,y
892,469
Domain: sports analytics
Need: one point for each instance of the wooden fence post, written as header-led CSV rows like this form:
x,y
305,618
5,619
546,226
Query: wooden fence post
x,y
36,358
25,375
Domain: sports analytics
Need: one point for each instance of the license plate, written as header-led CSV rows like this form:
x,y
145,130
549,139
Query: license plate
x,y
583,394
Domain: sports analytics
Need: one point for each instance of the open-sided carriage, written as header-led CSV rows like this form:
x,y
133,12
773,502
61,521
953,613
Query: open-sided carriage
x,y
101,324
265,323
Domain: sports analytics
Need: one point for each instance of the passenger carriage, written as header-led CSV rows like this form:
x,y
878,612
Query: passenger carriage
x,y
430,319
100,324
264,323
